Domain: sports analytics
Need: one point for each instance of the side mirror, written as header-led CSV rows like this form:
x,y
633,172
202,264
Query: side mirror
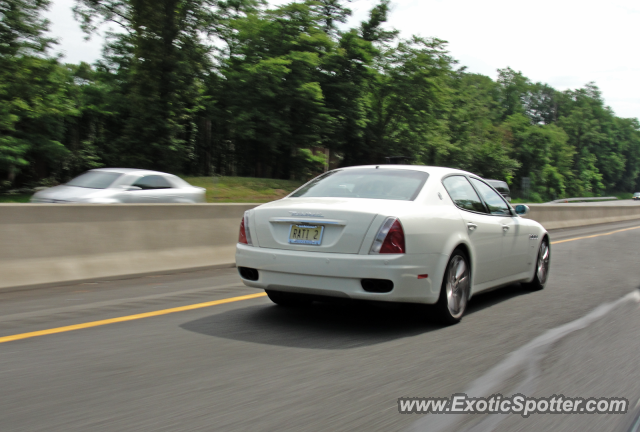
x,y
131,188
522,209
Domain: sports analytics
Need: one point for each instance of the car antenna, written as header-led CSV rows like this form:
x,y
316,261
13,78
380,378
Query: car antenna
x,y
377,166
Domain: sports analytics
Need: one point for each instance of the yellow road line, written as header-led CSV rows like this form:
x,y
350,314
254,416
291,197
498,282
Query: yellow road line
x,y
595,235
127,318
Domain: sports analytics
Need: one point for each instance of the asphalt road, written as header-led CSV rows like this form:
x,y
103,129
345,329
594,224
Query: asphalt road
x,y
249,365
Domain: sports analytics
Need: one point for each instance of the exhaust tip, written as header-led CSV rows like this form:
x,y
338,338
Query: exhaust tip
x,y
377,285
248,273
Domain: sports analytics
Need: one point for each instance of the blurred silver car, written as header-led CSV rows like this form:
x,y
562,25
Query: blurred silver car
x,y
122,185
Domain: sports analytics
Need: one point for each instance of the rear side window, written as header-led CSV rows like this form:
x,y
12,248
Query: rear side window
x,y
372,183
95,180
463,194
494,201
152,182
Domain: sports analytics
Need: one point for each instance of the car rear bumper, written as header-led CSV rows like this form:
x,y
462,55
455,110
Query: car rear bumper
x,y
340,275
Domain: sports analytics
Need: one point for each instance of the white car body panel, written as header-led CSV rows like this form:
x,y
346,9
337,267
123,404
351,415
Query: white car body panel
x,y
339,275
433,226
346,222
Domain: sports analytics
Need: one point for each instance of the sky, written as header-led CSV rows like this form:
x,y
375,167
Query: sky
x,y
564,43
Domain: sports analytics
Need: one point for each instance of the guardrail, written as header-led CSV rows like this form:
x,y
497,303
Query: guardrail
x,y
52,243
567,200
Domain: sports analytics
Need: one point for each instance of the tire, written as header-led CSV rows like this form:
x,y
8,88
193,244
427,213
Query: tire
x,y
541,274
288,299
455,289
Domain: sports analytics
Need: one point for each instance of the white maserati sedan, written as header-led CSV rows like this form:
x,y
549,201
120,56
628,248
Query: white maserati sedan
x,y
394,233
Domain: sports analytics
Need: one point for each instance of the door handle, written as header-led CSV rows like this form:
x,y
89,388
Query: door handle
x,y
505,228
471,226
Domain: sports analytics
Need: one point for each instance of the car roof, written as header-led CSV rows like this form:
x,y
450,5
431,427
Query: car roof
x,y
432,170
130,171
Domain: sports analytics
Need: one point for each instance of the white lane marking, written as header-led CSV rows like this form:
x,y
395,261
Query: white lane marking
x,y
527,356
96,305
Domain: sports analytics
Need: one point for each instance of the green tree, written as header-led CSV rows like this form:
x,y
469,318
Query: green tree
x,y
274,97
162,62
33,98
545,155
409,102
598,164
352,76
478,143
234,87
627,134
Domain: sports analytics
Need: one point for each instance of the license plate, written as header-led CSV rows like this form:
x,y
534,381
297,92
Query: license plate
x,y
306,234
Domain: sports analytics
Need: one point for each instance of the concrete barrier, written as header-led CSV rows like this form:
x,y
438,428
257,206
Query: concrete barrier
x,y
554,216
49,243
53,243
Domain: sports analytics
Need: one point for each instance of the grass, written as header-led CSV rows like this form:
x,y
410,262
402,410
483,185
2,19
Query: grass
x,y
622,195
244,189
20,198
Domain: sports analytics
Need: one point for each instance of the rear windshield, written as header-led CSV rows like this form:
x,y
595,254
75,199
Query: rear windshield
x,y
95,180
372,183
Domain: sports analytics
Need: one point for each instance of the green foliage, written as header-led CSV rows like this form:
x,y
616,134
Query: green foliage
x,y
307,165
235,87
244,189
479,142
20,198
34,100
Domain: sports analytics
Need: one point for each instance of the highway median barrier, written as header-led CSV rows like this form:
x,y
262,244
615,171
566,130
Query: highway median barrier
x,y
53,243
59,243
555,216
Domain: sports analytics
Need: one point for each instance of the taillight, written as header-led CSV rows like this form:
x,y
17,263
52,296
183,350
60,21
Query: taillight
x,y
245,234
390,238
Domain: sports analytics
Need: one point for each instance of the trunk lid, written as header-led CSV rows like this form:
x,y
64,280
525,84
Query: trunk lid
x,y
342,223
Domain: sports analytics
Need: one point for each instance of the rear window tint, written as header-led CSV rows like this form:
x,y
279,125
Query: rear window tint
x,y
372,183
95,180
493,200
152,182
463,194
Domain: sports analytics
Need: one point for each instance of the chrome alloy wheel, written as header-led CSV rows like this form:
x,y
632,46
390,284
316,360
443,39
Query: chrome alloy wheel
x,y
542,270
457,286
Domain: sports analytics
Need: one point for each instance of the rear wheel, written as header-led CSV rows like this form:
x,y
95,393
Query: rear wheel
x,y
542,267
454,293
288,299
